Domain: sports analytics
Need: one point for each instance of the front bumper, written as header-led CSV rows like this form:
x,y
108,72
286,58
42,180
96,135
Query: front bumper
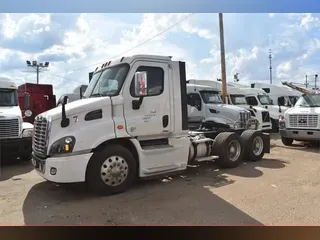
x,y
300,134
69,169
17,147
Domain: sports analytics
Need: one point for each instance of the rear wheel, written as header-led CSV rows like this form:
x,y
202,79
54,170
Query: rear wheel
x,y
228,146
111,170
287,141
253,145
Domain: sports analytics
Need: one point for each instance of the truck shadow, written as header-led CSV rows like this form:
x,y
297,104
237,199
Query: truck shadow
x,y
146,204
14,169
169,201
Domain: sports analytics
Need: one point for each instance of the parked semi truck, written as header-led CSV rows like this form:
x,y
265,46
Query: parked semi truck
x,y
205,105
15,135
236,97
302,122
131,123
40,99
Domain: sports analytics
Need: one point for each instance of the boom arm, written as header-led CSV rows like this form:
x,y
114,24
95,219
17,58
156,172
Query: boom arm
x,y
300,89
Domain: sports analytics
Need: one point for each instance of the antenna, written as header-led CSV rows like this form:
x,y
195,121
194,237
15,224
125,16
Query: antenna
x,y
270,66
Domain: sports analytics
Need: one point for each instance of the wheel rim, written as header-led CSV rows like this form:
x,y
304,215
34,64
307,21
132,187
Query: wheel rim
x,y
257,145
114,171
234,150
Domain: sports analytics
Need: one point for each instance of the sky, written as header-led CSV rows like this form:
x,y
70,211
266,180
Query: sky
x,y
76,44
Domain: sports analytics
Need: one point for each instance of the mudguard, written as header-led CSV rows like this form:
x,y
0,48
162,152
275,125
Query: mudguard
x,y
266,141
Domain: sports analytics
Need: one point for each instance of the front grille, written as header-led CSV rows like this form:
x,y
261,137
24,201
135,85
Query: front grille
x,y
265,116
303,121
40,136
9,128
244,116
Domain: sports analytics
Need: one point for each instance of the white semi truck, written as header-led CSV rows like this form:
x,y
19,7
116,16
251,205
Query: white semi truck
x,y
302,122
132,122
280,95
15,135
236,97
258,97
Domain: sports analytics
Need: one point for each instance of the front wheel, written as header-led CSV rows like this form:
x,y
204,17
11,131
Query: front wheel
x,y
253,145
228,146
111,170
286,141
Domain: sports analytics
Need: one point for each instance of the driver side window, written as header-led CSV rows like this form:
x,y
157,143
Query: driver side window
x,y
155,84
252,101
194,100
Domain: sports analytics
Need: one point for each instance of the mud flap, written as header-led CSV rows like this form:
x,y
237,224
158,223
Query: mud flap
x,y
266,141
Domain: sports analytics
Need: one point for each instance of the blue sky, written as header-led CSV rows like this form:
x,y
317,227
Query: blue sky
x,y
75,44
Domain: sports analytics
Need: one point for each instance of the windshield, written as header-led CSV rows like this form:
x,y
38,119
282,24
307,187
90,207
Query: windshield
x,y
309,100
238,99
107,82
8,97
264,100
211,97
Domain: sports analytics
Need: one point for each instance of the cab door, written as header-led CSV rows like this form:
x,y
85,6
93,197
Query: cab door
x,y
150,117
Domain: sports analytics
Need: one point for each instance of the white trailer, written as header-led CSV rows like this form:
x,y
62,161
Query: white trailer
x,y
236,97
15,135
133,123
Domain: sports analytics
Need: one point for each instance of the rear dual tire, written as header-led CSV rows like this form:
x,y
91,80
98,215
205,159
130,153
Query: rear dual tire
x,y
253,145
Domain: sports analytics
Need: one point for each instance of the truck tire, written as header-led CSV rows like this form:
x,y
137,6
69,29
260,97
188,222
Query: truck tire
x,y
253,145
287,141
111,170
229,147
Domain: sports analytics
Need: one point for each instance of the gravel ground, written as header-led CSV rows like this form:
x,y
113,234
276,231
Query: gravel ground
x,y
281,189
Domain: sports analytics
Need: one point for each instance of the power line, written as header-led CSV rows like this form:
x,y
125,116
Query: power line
x,y
144,42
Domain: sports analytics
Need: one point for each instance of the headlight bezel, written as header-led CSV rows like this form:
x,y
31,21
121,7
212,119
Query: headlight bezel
x,y
29,131
59,146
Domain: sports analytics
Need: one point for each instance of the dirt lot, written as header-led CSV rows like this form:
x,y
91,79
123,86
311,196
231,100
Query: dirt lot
x,y
281,189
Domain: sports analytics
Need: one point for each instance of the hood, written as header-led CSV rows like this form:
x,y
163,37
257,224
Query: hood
x,y
260,109
228,107
301,110
78,106
13,111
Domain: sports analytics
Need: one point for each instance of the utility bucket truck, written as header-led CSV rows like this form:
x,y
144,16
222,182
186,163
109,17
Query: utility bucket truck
x,y
236,97
132,122
15,135
302,122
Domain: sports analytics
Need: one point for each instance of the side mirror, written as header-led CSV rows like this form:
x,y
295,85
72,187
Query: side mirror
x,y
26,100
271,101
140,84
197,104
65,100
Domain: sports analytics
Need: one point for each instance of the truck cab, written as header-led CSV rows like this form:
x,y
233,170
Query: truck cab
x,y
280,95
302,122
236,97
15,135
258,97
131,123
205,105
41,99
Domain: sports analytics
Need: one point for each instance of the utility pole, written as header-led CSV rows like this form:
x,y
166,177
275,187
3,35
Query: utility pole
x,y
223,60
270,66
315,81
306,81
37,66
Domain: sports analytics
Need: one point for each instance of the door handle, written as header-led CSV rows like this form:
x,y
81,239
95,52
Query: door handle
x,y
165,121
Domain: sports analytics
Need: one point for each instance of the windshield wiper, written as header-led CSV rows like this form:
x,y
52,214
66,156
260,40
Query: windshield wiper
x,y
97,95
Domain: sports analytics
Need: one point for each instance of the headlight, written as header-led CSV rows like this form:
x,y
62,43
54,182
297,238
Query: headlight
x,y
63,145
238,125
27,133
28,113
